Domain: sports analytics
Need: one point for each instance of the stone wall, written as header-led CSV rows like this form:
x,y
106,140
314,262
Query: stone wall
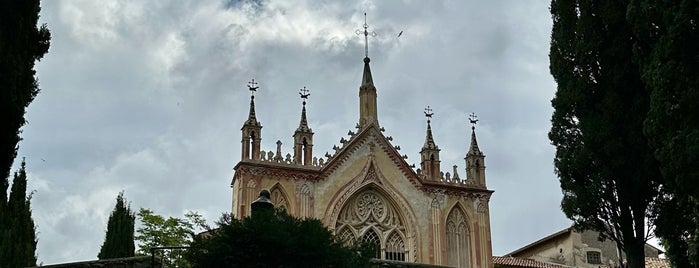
x,y
132,262
399,264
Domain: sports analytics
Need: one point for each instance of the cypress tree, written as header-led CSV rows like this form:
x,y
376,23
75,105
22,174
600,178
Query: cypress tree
x,y
667,39
609,177
119,238
22,43
19,234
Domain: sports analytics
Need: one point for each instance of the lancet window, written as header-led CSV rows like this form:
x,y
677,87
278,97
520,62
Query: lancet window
x,y
278,198
375,220
457,239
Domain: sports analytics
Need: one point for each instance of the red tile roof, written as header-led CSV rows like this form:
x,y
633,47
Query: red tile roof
x,y
657,263
522,262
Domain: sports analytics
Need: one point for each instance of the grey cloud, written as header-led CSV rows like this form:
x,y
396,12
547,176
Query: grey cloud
x,y
150,99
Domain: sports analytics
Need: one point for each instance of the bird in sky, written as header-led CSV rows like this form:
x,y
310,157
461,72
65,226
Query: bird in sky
x,y
401,33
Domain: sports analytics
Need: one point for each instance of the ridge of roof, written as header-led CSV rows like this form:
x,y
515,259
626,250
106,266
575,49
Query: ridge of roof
x,y
523,262
546,238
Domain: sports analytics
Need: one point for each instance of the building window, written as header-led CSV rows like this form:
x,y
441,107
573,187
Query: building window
x,y
594,257
371,238
395,248
457,239
369,217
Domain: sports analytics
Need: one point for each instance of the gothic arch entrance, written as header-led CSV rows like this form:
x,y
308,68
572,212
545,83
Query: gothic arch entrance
x,y
369,216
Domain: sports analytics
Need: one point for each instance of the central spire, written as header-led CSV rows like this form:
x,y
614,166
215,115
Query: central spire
x,y
367,90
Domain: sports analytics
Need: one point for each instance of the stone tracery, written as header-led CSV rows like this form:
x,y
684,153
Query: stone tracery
x,y
457,239
374,219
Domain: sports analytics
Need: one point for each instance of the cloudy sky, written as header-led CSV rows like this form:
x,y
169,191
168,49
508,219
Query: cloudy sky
x,y
149,97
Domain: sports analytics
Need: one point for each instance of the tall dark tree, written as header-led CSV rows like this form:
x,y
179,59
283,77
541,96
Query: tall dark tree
x,y
273,239
18,243
22,43
119,238
607,172
667,50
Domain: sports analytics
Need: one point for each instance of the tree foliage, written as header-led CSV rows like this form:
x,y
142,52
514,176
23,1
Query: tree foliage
x,y
17,231
158,231
21,44
119,238
667,42
273,238
607,171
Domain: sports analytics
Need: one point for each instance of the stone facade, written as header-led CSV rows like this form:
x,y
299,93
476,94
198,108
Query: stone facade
x,y
365,190
576,249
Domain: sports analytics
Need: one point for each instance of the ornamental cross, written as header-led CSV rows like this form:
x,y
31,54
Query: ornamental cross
x,y
473,119
366,34
304,94
252,86
428,113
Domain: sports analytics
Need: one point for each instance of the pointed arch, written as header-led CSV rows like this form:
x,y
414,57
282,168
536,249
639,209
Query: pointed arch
x,y
347,236
395,247
371,237
279,198
398,214
458,238
378,221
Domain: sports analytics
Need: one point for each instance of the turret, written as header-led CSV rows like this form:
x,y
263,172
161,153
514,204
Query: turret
x,y
303,136
251,130
475,159
429,154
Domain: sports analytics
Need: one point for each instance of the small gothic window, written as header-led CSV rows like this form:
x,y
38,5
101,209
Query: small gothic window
x,y
371,238
594,257
395,248
346,236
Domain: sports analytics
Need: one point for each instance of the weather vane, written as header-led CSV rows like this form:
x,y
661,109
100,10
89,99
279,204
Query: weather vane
x,y
252,86
428,113
304,94
366,34
473,119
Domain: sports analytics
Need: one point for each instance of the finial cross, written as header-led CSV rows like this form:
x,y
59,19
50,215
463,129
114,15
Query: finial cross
x,y
252,86
428,113
304,94
366,36
473,119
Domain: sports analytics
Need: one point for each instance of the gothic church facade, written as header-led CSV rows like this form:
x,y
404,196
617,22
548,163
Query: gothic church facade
x,y
366,191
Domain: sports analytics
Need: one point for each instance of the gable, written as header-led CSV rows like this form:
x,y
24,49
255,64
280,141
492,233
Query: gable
x,y
369,141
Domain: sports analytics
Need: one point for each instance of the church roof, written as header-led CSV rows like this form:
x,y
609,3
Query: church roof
x,y
429,140
474,150
303,125
252,119
657,263
366,75
522,262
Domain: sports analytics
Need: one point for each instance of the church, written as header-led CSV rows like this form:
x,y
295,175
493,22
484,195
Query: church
x,y
366,191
